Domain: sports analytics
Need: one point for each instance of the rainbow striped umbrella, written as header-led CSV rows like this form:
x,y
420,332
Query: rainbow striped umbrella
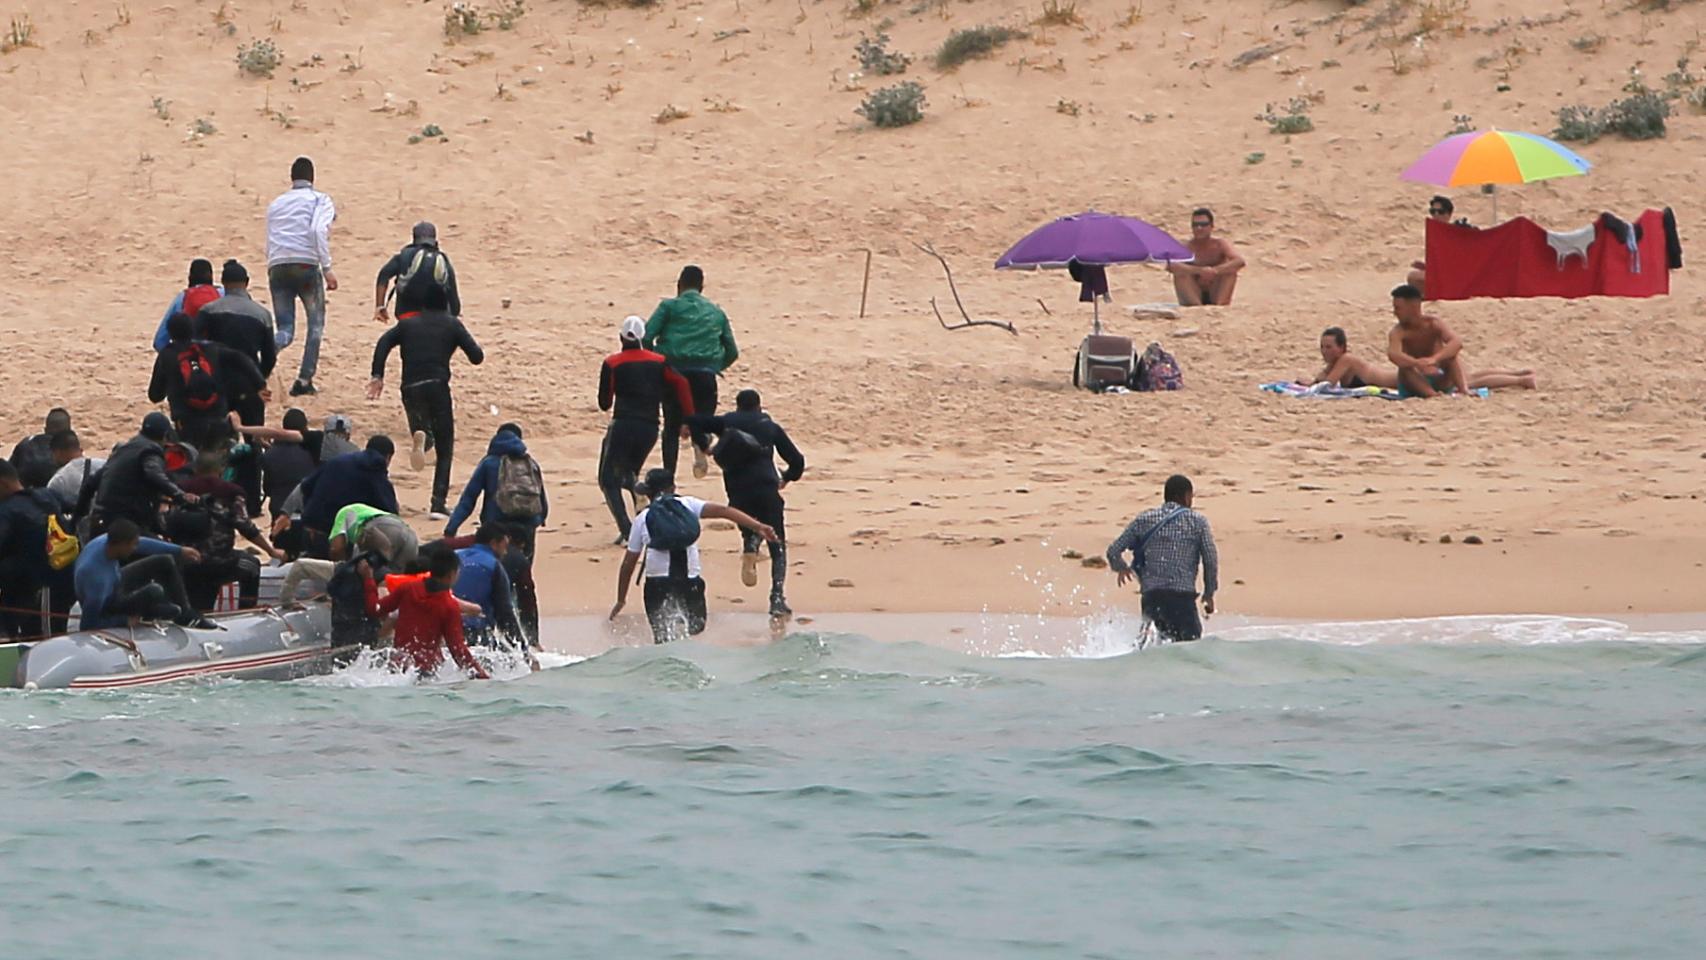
x,y
1495,156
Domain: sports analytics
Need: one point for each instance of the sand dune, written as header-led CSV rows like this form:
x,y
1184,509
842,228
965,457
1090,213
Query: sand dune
x,y
950,471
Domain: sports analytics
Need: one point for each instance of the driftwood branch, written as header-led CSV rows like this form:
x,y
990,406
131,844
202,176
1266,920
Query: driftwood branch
x,y
953,288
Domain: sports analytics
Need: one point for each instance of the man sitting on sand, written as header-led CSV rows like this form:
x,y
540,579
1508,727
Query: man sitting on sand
x,y
1212,273
1428,354
1353,373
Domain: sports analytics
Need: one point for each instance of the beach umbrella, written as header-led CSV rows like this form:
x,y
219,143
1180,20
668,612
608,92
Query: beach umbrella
x,y
1492,157
1092,240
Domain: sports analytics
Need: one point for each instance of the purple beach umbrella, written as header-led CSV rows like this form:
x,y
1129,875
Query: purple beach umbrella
x,y
1092,239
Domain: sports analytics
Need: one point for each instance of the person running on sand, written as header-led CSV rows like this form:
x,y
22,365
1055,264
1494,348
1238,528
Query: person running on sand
x,y
675,590
1424,349
694,335
637,383
299,265
1212,274
413,267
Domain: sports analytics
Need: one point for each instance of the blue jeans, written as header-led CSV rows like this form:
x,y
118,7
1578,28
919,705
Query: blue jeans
x,y
288,283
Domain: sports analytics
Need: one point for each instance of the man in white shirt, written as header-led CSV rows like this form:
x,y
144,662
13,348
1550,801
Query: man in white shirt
x,y
299,265
675,590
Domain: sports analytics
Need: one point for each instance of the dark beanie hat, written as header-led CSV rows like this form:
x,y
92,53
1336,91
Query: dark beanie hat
x,y
155,426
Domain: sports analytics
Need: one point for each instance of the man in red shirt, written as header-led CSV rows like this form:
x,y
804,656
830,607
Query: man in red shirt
x,y
429,618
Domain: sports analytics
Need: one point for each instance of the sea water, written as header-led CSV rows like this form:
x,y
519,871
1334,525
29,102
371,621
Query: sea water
x,y
1475,788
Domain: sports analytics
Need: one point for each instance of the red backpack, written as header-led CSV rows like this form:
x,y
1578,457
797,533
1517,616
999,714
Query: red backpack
x,y
197,297
201,389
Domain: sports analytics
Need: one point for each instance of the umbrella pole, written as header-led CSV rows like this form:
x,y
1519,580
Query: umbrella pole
x,y
1096,316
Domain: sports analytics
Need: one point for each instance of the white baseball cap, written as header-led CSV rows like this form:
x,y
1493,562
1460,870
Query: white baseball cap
x,y
633,329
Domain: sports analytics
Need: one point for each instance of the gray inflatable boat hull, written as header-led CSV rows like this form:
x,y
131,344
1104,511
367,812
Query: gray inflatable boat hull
x,y
279,644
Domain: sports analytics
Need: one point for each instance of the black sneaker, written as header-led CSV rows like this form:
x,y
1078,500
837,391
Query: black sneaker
x,y
303,388
779,607
202,623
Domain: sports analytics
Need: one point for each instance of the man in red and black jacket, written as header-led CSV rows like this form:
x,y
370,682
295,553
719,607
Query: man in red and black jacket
x,y
637,382
429,618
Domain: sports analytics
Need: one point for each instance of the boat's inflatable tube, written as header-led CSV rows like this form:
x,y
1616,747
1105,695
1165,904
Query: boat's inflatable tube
x,y
271,644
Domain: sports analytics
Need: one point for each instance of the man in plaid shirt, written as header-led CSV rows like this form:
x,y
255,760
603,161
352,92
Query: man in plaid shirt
x,y
1167,543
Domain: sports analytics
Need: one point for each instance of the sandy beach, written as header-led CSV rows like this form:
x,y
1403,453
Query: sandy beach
x,y
950,471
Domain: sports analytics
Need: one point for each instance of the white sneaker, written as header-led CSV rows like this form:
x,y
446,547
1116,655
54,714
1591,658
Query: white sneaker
x,y
701,466
438,516
417,451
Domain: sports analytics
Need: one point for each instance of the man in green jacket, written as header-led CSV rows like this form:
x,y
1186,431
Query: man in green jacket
x,y
694,335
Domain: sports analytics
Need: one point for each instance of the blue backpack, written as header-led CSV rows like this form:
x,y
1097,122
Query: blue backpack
x,y
670,525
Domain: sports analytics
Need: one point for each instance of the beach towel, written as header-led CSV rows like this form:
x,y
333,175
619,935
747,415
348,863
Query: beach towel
x,y
1328,391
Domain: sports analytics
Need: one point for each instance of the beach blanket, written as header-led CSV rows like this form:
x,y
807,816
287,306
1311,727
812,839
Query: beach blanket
x,y
1328,391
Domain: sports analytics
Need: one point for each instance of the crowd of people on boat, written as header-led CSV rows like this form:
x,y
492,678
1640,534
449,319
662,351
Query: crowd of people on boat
x,y
178,520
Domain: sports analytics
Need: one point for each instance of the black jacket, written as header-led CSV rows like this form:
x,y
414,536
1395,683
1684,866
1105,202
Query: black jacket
x,y
395,266
749,463
235,373
283,467
237,321
23,538
428,341
133,483
638,383
359,477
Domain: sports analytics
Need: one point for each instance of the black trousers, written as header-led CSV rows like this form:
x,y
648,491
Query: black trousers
x,y
252,410
518,563
429,408
202,581
765,504
21,591
627,444
704,387
152,588
1174,613
675,607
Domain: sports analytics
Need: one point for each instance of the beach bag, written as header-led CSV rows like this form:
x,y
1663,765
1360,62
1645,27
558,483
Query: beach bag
x,y
197,297
201,388
521,489
738,448
1104,362
426,269
1157,370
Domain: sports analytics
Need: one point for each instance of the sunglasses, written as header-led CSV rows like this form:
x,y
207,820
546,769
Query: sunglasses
x,y
1438,211
1201,223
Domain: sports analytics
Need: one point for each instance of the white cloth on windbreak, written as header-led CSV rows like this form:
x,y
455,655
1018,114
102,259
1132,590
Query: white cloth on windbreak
x,y
657,561
1573,243
298,227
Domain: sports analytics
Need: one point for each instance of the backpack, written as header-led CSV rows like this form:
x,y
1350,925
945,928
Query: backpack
x,y
1157,370
426,269
521,490
62,546
670,525
738,448
201,389
197,297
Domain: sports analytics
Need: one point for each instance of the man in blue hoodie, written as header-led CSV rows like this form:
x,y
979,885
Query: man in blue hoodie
x,y
513,489
362,477
151,588
483,581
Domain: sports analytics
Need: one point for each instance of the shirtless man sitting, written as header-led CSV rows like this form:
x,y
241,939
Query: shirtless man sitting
x,y
1212,273
1347,371
1424,349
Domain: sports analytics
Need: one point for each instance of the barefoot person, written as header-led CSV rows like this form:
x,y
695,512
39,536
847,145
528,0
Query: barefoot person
x,y
1212,273
1167,543
1424,349
667,534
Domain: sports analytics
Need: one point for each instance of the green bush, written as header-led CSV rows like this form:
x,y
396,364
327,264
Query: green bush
x,y
1639,116
259,57
1579,123
875,57
1295,118
963,45
897,106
